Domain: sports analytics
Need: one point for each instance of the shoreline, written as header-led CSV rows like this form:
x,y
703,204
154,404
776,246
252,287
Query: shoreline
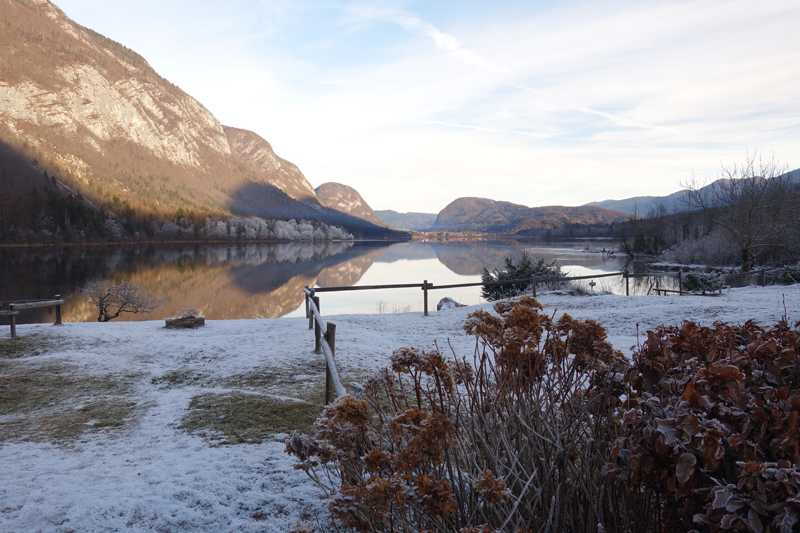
x,y
214,242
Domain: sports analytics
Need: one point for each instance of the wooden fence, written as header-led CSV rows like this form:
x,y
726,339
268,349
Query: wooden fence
x,y
324,343
754,277
425,286
15,307
658,290
325,332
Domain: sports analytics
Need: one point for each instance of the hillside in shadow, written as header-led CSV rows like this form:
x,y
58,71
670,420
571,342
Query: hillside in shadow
x,y
268,201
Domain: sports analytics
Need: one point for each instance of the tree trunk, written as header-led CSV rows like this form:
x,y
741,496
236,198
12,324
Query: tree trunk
x,y
747,260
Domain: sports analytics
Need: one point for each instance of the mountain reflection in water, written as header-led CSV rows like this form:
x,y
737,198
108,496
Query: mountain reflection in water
x,y
248,280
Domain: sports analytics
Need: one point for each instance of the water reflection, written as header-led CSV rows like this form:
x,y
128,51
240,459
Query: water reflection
x,y
224,281
469,258
265,280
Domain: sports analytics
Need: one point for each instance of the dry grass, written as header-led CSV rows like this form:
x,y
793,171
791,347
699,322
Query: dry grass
x,y
236,417
180,378
265,403
26,346
48,403
43,399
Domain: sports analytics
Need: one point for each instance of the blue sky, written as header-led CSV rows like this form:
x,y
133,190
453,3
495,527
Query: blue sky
x,y
539,103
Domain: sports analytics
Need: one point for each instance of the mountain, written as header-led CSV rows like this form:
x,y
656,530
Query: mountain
x,y
256,155
638,205
642,205
407,221
347,200
484,215
97,123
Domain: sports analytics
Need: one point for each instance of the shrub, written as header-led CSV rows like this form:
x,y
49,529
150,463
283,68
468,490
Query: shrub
x,y
523,269
712,427
790,274
702,282
715,248
514,441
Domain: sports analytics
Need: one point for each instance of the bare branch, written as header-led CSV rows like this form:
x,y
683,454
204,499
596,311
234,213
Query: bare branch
x,y
754,201
113,300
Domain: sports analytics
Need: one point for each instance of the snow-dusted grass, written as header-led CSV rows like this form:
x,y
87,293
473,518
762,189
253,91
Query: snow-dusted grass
x,y
131,426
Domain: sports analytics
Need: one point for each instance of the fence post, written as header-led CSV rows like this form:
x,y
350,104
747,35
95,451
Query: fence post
x,y
317,330
13,324
533,285
764,277
425,297
310,314
58,311
627,284
330,336
680,283
306,295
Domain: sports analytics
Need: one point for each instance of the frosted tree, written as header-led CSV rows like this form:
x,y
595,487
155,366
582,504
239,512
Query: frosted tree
x,y
112,299
755,202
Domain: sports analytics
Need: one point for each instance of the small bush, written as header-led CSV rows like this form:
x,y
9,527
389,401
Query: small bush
x,y
524,268
713,249
702,282
790,274
514,441
712,428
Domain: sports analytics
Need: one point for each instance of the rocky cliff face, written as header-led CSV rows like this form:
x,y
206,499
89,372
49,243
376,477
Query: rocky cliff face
x,y
257,155
95,114
348,200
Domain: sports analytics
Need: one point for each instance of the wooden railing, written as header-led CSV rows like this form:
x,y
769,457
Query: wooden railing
x,y
627,275
325,332
15,307
324,343
759,277
425,286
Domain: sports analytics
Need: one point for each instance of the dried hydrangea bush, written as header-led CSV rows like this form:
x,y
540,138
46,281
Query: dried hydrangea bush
x,y
512,440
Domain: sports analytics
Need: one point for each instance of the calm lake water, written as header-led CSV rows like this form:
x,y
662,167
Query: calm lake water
x,y
266,280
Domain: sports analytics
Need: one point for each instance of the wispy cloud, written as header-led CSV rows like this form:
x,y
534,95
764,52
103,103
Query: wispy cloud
x,y
479,128
382,12
614,98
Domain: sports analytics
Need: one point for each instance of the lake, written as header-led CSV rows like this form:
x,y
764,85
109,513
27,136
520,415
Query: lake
x,y
232,281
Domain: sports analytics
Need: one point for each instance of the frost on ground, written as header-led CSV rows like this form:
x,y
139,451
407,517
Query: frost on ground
x,y
131,426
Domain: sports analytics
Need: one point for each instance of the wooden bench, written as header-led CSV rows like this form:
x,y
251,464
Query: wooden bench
x,y
14,309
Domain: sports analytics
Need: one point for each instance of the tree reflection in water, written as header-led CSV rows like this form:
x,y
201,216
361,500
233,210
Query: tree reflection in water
x,y
230,281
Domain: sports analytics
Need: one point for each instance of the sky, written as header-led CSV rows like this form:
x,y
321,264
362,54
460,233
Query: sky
x,y
417,103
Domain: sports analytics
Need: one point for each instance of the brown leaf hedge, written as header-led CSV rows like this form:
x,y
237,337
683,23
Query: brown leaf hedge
x,y
712,427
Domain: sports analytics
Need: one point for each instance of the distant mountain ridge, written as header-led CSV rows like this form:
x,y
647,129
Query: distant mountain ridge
x,y
96,117
642,205
485,215
407,221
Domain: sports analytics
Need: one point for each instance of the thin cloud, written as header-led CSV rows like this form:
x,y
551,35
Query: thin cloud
x,y
619,120
480,128
442,40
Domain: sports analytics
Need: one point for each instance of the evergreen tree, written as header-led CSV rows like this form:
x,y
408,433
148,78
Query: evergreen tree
x,y
523,269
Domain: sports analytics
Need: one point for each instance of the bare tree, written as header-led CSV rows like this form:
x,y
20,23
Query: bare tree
x,y
755,202
112,299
